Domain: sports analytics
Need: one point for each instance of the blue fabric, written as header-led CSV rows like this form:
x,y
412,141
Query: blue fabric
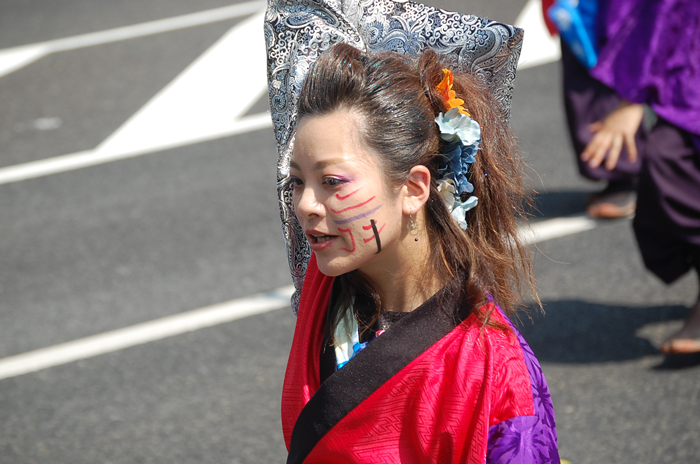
x,y
576,21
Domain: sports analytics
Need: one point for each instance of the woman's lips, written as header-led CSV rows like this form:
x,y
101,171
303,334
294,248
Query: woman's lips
x,y
319,241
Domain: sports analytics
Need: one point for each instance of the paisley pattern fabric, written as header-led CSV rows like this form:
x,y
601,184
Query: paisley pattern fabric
x,y
297,31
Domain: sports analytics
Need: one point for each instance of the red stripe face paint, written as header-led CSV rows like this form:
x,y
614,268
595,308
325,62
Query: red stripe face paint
x,y
373,226
341,198
352,239
354,206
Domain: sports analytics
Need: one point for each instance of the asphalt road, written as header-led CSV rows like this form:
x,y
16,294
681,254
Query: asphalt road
x,y
109,246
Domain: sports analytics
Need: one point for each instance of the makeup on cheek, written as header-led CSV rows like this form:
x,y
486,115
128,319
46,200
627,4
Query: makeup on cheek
x,y
359,216
370,227
352,239
354,206
376,234
341,198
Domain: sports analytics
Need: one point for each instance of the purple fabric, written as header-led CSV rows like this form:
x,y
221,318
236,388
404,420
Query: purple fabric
x,y
521,440
667,221
527,439
650,53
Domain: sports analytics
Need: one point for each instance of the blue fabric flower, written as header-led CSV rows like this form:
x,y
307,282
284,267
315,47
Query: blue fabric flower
x,y
456,165
463,135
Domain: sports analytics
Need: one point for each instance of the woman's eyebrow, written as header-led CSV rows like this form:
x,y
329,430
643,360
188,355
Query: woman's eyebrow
x,y
319,164
328,162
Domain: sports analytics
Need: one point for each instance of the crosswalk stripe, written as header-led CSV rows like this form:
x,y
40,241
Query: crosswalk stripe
x,y
88,158
12,59
204,102
160,125
146,332
538,47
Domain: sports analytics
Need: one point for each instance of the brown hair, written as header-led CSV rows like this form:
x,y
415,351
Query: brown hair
x,y
396,100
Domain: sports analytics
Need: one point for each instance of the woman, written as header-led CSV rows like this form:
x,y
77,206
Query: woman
x,y
407,187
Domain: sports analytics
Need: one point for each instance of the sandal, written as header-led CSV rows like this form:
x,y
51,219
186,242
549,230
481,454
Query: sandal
x,y
615,201
681,346
687,339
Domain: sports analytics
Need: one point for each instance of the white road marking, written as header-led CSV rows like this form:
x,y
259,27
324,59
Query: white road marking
x,y
555,228
12,59
139,334
205,102
89,158
210,316
538,47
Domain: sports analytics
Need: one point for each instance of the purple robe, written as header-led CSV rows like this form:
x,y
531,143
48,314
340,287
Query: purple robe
x,y
650,53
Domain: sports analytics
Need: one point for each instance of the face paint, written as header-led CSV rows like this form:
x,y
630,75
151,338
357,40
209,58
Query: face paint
x,y
337,195
376,235
359,216
338,187
354,206
369,227
352,239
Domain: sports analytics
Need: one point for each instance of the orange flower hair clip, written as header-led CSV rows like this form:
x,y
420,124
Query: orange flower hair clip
x,y
449,96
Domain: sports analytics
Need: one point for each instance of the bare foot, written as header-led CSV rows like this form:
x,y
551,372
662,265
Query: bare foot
x,y
686,340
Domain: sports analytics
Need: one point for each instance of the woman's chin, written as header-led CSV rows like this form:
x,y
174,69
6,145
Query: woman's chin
x,y
331,270
334,267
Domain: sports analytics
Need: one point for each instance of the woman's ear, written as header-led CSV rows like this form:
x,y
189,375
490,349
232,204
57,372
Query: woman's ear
x,y
417,189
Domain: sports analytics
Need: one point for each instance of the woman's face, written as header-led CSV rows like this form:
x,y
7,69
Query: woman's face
x,y
351,219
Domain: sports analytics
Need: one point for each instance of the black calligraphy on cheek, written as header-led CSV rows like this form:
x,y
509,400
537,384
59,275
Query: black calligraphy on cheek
x,y
373,228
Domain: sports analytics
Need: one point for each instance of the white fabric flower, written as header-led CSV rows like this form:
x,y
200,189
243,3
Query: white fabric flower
x,y
448,191
460,210
457,209
455,124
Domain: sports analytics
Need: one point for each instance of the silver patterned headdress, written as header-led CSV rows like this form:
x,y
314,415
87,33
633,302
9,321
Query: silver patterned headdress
x,y
298,31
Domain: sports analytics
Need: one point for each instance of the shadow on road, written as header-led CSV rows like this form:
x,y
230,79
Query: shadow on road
x,y
574,331
558,203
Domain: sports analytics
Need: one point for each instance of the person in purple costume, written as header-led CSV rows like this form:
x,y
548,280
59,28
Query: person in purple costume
x,y
648,65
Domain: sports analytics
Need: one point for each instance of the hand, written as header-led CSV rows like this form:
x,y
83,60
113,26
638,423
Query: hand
x,y
617,128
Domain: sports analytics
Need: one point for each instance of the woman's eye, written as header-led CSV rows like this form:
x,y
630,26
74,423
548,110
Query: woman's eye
x,y
333,181
295,182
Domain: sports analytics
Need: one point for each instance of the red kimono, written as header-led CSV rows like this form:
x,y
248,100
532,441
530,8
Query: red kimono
x,y
431,389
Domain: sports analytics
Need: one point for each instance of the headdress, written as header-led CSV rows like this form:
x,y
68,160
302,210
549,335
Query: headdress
x,y
463,136
297,31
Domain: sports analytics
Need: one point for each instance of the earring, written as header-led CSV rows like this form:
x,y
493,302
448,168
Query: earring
x,y
412,228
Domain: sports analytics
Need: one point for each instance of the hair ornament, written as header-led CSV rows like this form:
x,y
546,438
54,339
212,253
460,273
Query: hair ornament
x,y
463,136
449,96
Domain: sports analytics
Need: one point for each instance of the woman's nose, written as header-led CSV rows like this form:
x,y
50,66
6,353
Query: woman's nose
x,y
307,204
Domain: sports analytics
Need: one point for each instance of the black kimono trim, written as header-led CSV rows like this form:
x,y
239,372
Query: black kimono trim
x,y
347,388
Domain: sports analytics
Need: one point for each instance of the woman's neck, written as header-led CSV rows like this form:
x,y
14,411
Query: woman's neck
x,y
405,280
